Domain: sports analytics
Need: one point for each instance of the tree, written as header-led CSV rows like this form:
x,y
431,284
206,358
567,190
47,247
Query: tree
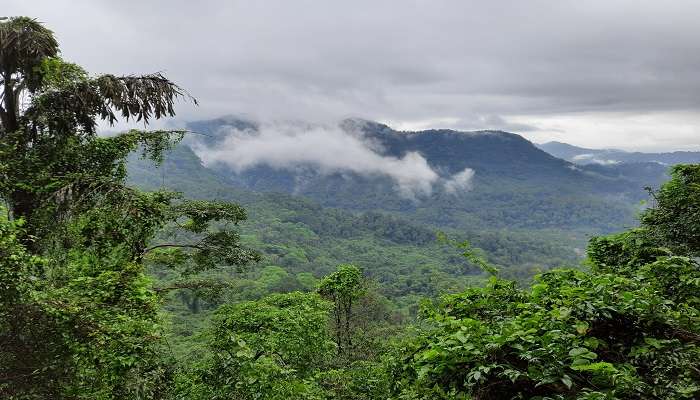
x,y
574,336
65,186
343,288
629,328
270,348
48,139
28,341
24,44
674,219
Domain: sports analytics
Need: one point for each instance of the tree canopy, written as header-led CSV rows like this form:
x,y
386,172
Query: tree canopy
x,y
80,317
629,328
673,220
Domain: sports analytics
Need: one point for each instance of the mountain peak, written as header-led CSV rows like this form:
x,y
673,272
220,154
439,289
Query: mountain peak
x,y
364,125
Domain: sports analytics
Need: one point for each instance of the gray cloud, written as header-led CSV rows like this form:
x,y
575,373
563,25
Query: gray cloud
x,y
535,67
475,122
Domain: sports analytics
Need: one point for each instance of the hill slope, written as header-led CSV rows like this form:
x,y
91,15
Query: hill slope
x,y
302,236
644,169
511,183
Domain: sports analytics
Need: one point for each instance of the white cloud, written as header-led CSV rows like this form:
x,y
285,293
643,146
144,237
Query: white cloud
x,y
329,149
459,182
593,159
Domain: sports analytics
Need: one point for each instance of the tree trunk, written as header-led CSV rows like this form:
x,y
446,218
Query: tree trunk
x,y
10,106
348,316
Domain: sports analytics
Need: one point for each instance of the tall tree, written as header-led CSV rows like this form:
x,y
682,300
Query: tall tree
x,y
65,187
674,220
266,349
343,287
49,114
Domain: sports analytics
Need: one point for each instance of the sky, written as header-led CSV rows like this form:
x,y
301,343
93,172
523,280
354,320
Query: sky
x,y
601,74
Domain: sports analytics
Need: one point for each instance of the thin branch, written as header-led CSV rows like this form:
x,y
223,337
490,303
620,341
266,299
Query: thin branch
x,y
686,335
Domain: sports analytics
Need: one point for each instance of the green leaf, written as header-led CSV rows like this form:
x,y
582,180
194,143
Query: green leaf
x,y
566,380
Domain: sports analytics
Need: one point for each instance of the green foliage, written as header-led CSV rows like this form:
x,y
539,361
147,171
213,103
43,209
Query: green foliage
x,y
58,74
285,326
90,328
307,280
266,349
623,251
80,317
359,381
673,221
628,329
343,287
279,347
575,335
474,256
21,362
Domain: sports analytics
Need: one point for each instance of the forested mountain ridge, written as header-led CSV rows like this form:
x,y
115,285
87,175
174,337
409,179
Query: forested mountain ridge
x,y
513,183
301,241
489,153
520,213
303,236
644,169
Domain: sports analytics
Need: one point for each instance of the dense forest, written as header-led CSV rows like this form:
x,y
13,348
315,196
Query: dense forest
x,y
115,284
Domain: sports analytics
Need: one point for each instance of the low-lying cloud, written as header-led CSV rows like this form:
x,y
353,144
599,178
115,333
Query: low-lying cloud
x,y
460,182
328,149
592,159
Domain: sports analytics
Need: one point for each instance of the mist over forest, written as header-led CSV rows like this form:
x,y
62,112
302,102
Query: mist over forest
x,y
341,201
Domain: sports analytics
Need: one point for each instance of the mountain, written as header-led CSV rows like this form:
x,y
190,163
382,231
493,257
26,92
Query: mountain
x,y
581,155
644,169
644,174
526,209
303,237
515,185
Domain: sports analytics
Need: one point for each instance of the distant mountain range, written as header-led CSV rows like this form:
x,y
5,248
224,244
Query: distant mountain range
x,y
581,155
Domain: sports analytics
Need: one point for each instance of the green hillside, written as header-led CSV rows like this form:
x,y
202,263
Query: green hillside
x,y
302,236
302,241
515,184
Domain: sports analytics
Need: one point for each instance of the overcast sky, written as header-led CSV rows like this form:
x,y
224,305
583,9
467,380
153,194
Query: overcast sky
x,y
593,73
